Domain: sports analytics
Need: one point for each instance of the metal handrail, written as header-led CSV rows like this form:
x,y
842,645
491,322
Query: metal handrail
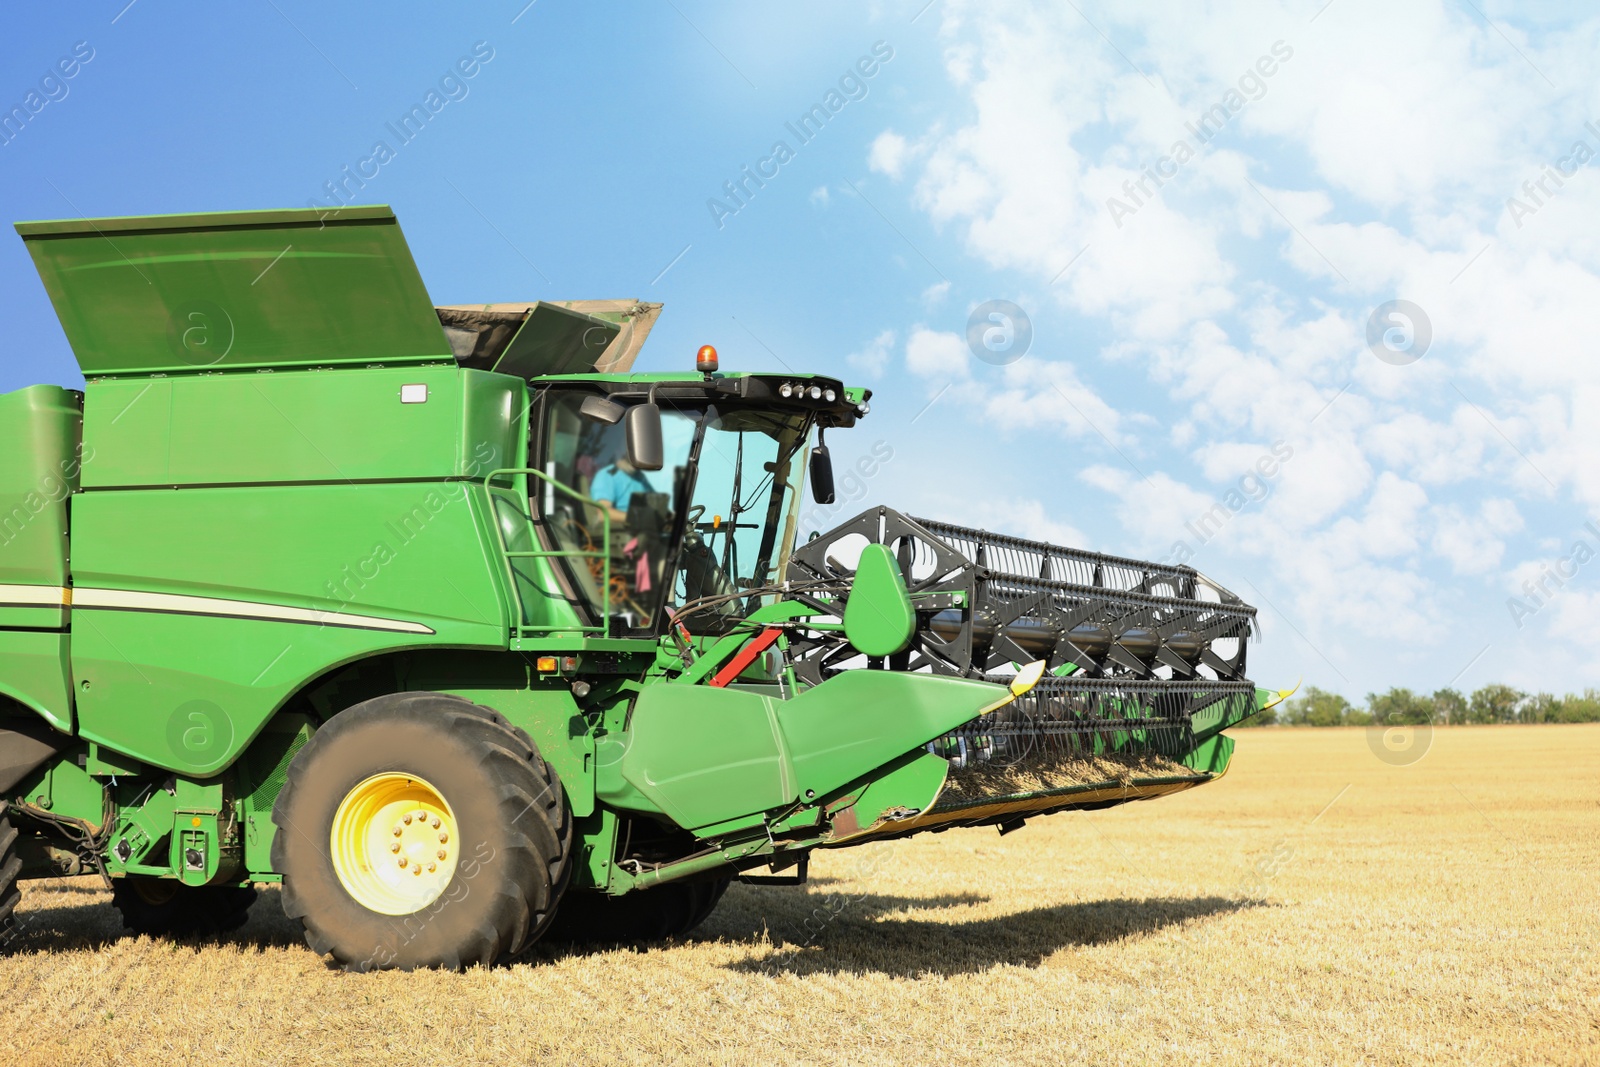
x,y
603,554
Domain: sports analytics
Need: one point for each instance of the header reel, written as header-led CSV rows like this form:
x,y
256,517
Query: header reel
x,y
985,601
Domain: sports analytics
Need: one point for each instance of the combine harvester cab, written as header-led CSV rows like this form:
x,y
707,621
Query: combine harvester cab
x,y
468,636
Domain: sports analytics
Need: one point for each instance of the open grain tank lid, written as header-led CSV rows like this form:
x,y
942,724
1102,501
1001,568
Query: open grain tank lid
x,y
236,290
530,339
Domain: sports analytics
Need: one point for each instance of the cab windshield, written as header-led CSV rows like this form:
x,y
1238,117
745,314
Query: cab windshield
x,y
717,521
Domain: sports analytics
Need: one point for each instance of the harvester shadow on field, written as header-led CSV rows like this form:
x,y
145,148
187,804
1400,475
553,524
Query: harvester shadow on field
x,y
834,933
77,916
815,930
810,930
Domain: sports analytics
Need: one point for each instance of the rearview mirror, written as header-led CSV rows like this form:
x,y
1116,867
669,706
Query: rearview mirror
x,y
821,475
600,409
643,426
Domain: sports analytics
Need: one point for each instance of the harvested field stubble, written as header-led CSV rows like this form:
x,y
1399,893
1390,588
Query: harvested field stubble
x,y
1442,912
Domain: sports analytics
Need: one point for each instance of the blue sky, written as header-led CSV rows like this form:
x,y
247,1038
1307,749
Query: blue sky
x,y
1189,334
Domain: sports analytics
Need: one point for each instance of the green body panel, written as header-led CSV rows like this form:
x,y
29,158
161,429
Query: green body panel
x,y
858,721
1211,755
249,289
705,756
36,670
300,426
414,553
408,551
40,434
187,693
41,461
879,619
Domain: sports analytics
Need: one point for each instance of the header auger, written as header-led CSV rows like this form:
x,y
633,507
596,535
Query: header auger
x,y
468,636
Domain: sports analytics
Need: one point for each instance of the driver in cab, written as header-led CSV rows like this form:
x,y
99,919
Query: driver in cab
x,y
614,488
615,485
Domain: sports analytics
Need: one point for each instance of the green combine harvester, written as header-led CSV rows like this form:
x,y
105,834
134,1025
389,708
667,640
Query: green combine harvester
x,y
467,636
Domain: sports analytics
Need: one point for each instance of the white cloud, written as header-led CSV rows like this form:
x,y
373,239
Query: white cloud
x,y
888,154
1474,544
1039,394
1156,511
1238,292
1389,526
934,294
874,359
1029,394
820,196
940,357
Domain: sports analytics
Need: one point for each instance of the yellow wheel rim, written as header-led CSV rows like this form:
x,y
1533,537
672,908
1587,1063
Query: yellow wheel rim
x,y
394,844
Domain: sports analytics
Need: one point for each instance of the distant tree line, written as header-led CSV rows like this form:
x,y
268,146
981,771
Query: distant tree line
x,y
1445,707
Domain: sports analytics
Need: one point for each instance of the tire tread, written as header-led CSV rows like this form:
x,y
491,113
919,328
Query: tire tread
x,y
10,872
536,819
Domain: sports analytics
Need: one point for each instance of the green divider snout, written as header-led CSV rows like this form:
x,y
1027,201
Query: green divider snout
x,y
878,618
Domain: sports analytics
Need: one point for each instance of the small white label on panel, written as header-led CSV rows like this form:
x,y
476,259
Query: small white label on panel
x,y
413,394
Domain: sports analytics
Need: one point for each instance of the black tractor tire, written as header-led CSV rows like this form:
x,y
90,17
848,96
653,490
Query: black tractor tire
x,y
513,840
665,911
10,872
164,907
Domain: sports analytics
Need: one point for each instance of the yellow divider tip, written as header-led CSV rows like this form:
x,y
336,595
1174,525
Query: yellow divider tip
x,y
1283,694
1027,677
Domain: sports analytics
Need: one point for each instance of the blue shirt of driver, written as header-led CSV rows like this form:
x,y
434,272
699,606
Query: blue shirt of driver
x,y
618,486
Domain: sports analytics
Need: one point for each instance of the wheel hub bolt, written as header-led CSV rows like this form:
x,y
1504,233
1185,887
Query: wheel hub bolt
x,y
443,837
406,819
395,847
397,830
403,861
441,854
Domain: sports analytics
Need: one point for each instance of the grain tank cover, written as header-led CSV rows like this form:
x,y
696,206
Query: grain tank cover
x,y
532,339
543,338
236,290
